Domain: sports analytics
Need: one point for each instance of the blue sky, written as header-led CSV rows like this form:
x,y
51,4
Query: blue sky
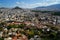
x,y
27,3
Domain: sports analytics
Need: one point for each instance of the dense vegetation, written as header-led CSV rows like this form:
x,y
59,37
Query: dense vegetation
x,y
41,11
52,12
56,13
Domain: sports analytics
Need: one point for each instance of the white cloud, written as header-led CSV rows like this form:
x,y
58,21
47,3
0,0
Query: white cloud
x,y
17,2
43,3
37,4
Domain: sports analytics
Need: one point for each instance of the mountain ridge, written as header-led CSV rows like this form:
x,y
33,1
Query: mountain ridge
x,y
55,7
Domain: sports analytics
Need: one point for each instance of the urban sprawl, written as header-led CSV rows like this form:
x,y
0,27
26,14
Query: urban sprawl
x,y
25,24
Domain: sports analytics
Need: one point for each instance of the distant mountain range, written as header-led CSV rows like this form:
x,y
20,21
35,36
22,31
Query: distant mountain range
x,y
3,8
55,7
10,8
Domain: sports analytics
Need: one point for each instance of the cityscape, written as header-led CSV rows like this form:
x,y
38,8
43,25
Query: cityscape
x,y
35,21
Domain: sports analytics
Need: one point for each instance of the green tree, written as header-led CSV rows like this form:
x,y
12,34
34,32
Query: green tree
x,y
21,25
12,26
